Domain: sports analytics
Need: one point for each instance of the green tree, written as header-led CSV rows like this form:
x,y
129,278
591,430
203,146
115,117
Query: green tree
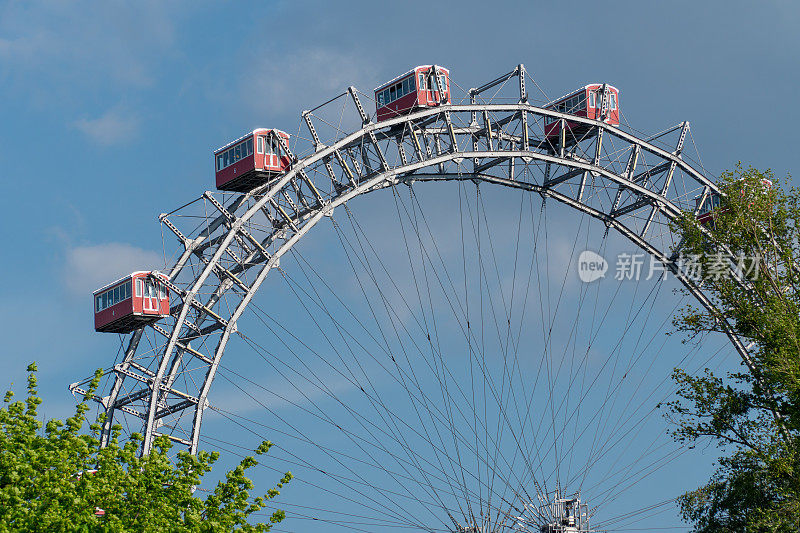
x,y
753,414
56,477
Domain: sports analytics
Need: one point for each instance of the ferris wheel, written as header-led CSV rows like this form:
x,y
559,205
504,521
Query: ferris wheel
x,y
427,359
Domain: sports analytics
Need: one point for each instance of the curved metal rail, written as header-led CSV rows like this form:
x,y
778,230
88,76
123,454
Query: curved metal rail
x,y
630,184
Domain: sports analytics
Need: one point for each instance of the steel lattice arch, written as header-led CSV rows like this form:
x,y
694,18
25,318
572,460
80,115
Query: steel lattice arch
x,y
633,185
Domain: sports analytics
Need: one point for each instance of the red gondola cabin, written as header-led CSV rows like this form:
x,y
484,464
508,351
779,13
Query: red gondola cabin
x,y
706,212
131,302
250,160
585,102
423,86
709,209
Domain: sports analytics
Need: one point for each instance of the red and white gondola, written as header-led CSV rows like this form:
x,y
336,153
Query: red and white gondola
x,y
131,302
597,101
251,160
705,212
711,205
420,87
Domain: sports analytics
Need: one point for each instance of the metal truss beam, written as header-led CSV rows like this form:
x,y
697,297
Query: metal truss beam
x,y
490,135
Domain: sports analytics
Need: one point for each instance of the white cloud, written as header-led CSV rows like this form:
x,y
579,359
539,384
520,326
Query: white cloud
x,y
304,78
87,268
113,127
23,48
88,41
276,394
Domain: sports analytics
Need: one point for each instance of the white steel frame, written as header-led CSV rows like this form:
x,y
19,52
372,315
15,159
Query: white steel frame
x,y
630,184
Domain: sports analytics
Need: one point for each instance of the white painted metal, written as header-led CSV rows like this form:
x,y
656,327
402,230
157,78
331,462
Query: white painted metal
x,y
249,233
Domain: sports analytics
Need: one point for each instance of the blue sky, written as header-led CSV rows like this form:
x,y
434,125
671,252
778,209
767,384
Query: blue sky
x,y
110,112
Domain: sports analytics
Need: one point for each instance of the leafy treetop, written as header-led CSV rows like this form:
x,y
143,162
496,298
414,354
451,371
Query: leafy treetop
x,y
56,477
754,414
